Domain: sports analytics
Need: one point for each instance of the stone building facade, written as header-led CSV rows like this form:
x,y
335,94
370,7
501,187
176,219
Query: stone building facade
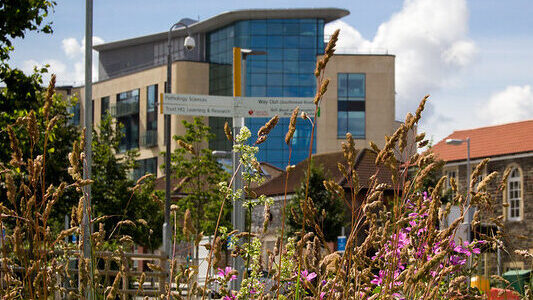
x,y
508,147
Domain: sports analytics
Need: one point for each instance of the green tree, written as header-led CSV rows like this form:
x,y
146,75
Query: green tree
x,y
330,208
116,195
198,174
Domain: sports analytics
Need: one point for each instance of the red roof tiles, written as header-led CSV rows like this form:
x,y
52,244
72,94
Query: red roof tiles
x,y
511,138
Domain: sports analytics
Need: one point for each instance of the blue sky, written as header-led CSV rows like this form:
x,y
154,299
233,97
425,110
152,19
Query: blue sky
x,y
475,57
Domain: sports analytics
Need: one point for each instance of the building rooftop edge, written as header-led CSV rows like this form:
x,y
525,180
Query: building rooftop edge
x,y
226,18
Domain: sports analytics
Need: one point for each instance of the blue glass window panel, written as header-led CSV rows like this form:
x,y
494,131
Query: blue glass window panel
x,y
356,85
275,66
320,40
290,28
258,41
307,41
275,41
256,66
307,79
342,85
307,67
275,79
306,21
249,91
290,91
274,27
275,54
307,54
308,28
291,41
242,41
290,54
290,79
242,28
258,91
230,32
342,123
258,27
258,79
356,123
274,91
290,66
306,91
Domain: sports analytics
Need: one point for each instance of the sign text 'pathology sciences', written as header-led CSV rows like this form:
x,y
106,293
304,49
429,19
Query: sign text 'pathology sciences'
x,y
226,106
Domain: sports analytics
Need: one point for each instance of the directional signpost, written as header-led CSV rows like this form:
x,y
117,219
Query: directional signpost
x,y
227,106
237,108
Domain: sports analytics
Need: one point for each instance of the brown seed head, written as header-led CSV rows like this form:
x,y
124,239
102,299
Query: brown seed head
x,y
268,126
227,131
292,125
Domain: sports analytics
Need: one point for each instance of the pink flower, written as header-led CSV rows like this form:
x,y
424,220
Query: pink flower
x,y
225,272
322,294
308,276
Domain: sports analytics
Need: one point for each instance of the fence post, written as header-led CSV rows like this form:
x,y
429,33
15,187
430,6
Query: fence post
x,y
163,278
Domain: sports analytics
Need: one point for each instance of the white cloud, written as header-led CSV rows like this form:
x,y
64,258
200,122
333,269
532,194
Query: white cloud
x,y
430,41
72,69
515,103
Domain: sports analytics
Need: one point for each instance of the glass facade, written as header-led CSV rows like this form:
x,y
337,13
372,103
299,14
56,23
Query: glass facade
x,y
351,95
127,108
292,46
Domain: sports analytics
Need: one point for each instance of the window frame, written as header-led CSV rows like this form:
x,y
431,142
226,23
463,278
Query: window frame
x,y
347,103
519,180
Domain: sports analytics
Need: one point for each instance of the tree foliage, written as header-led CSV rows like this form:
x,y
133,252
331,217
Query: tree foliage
x,y
116,195
330,208
198,174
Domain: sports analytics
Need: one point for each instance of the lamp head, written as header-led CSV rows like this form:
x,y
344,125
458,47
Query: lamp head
x,y
454,141
189,43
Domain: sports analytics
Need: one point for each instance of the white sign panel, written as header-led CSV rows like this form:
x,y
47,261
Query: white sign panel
x,y
226,106
266,107
198,105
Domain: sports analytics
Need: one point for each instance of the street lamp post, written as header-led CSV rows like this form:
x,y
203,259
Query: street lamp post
x,y
237,214
468,221
189,44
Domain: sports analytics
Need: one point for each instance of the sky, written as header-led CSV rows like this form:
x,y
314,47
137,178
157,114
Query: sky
x,y
474,58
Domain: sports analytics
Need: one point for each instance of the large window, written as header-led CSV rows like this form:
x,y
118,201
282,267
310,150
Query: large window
x,y
514,195
451,173
145,166
351,95
127,112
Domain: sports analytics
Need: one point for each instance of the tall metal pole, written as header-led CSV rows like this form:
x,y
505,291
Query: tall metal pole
x,y
237,214
88,139
168,89
470,210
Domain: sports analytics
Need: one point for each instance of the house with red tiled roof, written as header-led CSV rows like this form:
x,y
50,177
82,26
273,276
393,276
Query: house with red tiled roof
x,y
508,146
364,166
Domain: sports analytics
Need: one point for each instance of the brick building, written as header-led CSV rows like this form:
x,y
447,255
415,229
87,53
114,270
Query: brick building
x,y
507,146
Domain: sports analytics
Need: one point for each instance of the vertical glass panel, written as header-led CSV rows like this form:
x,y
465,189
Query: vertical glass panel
x,y
291,41
275,54
307,41
104,106
274,27
275,66
274,91
356,123
290,28
258,27
242,28
308,28
342,84
258,79
290,79
342,123
307,54
290,66
275,41
258,41
258,91
290,54
356,85
307,66
274,79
